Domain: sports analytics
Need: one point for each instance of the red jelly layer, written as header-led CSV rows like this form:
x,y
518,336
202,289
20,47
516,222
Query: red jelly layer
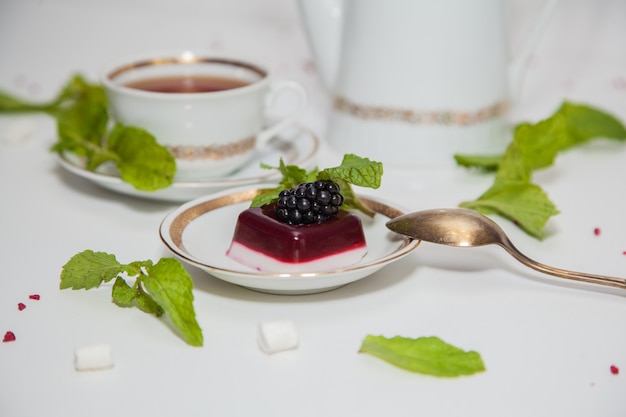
x,y
258,229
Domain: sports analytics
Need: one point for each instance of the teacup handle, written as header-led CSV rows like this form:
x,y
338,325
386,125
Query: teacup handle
x,y
277,89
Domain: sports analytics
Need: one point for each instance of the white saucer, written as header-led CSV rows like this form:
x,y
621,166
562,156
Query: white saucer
x,y
200,231
297,146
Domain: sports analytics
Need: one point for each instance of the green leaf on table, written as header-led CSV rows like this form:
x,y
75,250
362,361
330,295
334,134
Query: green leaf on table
x,y
147,304
426,355
89,269
523,203
535,147
123,294
169,284
141,161
586,122
12,104
169,287
488,163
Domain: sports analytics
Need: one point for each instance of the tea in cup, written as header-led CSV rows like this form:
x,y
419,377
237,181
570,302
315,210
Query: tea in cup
x,y
209,112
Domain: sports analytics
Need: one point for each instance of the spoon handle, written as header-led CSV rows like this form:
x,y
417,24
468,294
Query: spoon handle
x,y
563,273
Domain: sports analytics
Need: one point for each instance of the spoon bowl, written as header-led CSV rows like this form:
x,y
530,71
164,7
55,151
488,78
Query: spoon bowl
x,y
467,228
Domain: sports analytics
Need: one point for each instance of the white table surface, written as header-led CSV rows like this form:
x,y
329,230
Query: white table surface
x,y
548,345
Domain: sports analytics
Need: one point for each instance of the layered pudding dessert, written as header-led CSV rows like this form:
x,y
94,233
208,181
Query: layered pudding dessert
x,y
304,231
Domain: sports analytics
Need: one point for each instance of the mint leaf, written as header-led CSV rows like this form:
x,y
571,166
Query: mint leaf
x,y
523,203
82,117
484,162
11,104
170,286
123,295
292,175
357,171
126,296
426,355
88,269
354,170
586,122
267,196
147,304
141,160
534,147
351,200
81,113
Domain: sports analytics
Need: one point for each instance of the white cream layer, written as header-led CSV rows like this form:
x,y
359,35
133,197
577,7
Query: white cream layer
x,y
264,263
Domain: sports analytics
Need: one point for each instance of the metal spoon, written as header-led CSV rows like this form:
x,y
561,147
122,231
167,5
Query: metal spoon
x,y
462,227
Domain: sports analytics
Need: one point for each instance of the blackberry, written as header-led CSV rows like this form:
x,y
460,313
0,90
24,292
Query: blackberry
x,y
308,203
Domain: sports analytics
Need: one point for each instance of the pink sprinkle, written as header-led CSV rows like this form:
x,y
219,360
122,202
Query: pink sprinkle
x,y
596,231
21,306
34,297
614,370
624,253
9,337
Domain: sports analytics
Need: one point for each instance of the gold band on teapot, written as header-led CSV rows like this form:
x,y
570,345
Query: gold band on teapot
x,y
424,117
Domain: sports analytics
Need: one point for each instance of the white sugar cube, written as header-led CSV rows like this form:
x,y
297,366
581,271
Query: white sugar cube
x,y
93,357
277,336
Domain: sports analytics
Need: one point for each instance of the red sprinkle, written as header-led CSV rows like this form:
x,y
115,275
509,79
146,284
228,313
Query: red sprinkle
x,y
34,297
614,370
596,231
9,337
21,306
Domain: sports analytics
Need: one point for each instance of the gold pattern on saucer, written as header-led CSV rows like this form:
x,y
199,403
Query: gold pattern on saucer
x,y
183,219
214,152
444,117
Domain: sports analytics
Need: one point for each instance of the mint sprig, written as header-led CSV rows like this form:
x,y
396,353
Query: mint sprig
x,y
513,195
425,355
80,110
161,288
353,170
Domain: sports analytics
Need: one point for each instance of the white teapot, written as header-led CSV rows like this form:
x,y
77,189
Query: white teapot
x,y
415,81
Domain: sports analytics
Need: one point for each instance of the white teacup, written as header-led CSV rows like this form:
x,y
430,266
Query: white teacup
x,y
209,112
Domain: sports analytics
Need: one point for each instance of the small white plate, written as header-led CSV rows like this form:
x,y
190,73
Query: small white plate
x,y
297,146
200,232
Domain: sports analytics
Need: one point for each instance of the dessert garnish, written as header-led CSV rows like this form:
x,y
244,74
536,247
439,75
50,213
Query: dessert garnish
x,y
308,203
303,227
354,170
161,288
425,355
83,129
513,195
